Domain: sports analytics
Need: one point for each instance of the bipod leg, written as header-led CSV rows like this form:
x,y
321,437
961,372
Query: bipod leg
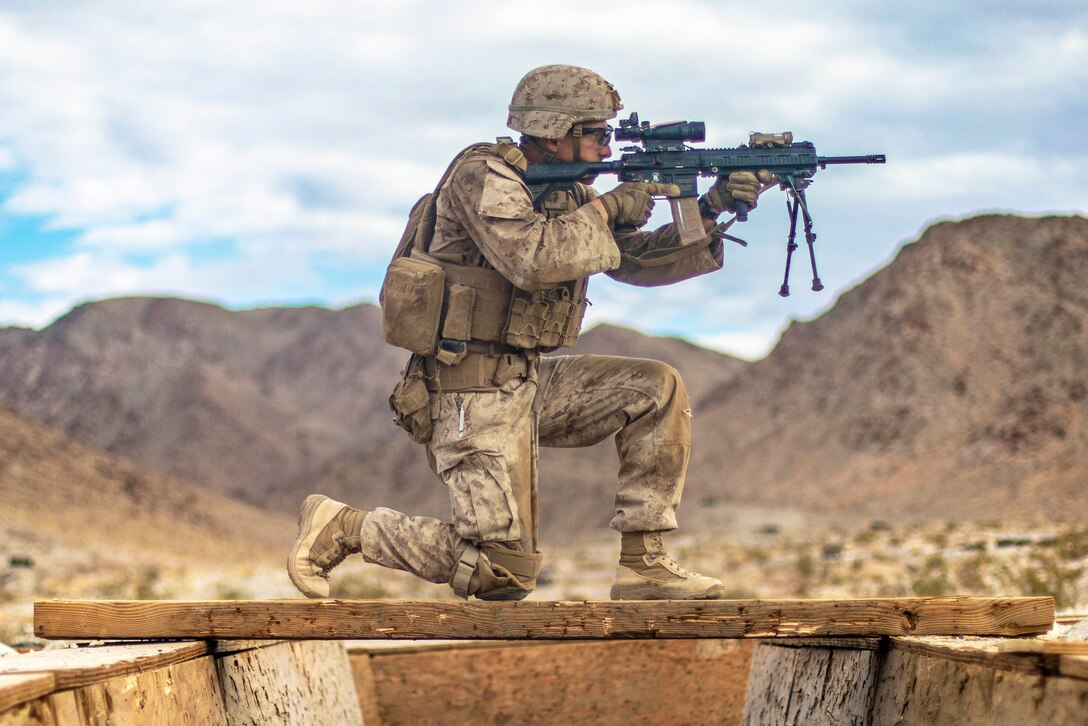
x,y
810,238
791,245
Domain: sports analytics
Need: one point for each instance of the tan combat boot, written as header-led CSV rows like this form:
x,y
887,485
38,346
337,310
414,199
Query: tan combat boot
x,y
328,531
646,572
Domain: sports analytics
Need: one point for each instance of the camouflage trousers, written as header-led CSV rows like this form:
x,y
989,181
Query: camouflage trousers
x,y
484,448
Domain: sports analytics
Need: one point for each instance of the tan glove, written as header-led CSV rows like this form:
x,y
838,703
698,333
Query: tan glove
x,y
744,186
630,203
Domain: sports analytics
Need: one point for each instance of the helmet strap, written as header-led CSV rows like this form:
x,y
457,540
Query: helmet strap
x,y
576,133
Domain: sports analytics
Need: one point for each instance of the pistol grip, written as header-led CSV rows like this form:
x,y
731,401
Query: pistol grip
x,y
742,210
687,220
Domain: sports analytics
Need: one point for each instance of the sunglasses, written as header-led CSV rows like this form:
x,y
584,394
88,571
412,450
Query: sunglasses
x,y
602,134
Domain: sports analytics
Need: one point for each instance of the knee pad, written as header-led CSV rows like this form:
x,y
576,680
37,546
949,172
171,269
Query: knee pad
x,y
496,572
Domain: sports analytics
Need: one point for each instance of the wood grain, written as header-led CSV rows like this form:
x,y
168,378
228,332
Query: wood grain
x,y
75,667
817,685
304,684
405,619
1048,647
1074,666
914,681
19,688
606,683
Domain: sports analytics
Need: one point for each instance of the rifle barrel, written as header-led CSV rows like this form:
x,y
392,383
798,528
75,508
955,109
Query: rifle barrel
x,y
823,161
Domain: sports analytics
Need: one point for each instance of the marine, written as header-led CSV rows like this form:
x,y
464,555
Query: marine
x,y
486,283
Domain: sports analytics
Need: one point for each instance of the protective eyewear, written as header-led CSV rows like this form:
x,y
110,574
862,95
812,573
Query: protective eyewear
x,y
602,135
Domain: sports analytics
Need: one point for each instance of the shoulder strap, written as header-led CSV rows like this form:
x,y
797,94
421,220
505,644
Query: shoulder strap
x,y
424,230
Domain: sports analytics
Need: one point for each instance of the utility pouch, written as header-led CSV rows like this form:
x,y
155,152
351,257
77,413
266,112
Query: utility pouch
x,y
573,324
411,300
458,323
411,402
525,325
556,319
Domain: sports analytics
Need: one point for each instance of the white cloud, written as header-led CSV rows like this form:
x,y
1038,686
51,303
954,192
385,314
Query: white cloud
x,y
33,315
296,135
750,346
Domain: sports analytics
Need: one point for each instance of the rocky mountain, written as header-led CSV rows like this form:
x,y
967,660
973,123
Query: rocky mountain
x,y
266,404
950,384
239,401
67,502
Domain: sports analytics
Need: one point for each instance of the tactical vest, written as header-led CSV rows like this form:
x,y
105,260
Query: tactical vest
x,y
438,308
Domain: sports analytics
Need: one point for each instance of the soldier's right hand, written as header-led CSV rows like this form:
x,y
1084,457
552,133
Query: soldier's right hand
x,y
631,202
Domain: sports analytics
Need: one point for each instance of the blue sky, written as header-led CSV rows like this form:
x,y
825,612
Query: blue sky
x,y
267,153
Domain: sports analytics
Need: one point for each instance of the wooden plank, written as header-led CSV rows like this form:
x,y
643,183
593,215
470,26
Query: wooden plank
x,y
179,694
18,688
613,683
1046,647
974,651
369,703
817,685
75,667
912,682
404,619
300,683
1074,666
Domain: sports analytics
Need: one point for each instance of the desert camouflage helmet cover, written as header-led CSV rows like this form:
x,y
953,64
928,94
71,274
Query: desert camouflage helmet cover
x,y
551,99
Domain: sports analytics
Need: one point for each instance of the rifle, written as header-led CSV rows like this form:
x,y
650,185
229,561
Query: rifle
x,y
665,157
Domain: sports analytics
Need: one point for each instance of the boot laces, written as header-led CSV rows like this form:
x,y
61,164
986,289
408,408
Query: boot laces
x,y
671,564
343,549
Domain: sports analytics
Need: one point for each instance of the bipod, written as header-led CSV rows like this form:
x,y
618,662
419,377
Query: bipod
x,y
796,201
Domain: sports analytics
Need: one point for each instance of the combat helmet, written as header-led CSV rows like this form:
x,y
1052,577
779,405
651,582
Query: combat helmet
x,y
549,100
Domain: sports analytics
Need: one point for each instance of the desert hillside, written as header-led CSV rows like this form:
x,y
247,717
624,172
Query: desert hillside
x,y
235,400
83,523
950,384
266,405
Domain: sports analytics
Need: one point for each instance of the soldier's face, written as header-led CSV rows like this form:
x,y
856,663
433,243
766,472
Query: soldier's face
x,y
590,150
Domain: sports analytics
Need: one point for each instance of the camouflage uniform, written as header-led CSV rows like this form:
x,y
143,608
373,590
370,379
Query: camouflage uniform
x,y
484,445
485,430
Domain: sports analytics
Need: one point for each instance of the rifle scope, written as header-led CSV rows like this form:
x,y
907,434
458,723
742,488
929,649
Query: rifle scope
x,y
631,130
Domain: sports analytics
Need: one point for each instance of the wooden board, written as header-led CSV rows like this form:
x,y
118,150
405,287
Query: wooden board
x,y
1047,647
620,683
75,667
22,687
305,684
1074,666
817,685
363,672
972,651
908,684
179,694
400,619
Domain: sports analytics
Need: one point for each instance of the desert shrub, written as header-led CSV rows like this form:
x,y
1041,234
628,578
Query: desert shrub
x,y
932,578
358,588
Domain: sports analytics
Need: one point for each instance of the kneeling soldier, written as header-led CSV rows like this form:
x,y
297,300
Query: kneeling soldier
x,y
511,283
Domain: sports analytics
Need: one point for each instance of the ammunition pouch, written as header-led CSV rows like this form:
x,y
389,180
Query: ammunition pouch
x,y
545,319
411,401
